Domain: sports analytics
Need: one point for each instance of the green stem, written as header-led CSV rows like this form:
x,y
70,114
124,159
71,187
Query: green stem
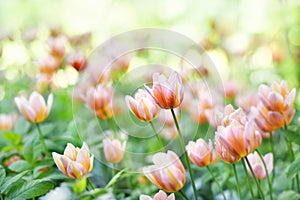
x,y
216,181
267,173
89,181
112,124
183,194
256,181
237,182
274,156
157,136
185,154
248,180
113,173
42,139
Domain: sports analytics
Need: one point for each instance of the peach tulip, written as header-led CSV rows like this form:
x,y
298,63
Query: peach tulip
x,y
114,150
167,173
236,141
143,106
168,92
161,195
201,153
258,166
99,99
6,122
74,163
35,109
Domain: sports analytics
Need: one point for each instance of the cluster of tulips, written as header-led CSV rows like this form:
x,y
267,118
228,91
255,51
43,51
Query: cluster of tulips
x,y
237,138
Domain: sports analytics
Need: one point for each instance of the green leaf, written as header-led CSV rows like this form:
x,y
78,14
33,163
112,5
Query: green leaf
x,y
294,168
79,186
11,181
20,166
31,189
12,137
290,195
32,150
2,175
22,126
290,135
115,178
95,192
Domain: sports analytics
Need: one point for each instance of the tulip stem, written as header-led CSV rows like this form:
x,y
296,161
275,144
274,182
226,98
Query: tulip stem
x,y
113,173
42,139
237,182
274,156
157,136
248,180
112,124
216,181
267,173
183,194
185,154
89,181
256,181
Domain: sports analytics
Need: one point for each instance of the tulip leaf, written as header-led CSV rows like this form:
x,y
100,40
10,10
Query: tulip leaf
x,y
290,195
32,150
2,175
30,189
19,166
294,168
11,181
80,185
12,137
291,136
115,178
22,126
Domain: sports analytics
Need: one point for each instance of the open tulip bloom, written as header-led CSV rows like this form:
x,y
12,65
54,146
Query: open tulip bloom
x,y
257,165
161,195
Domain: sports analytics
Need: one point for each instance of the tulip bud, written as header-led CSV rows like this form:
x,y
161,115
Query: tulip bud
x,y
258,166
168,93
35,109
114,150
201,153
74,163
161,195
167,173
143,106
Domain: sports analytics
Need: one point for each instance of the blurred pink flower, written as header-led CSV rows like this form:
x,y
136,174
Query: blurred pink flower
x,y
161,195
168,93
35,109
114,150
7,121
75,162
258,166
167,118
143,106
78,61
167,173
201,153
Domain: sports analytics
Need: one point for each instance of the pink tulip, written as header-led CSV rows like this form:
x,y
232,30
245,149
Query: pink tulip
x,y
201,153
167,173
99,99
7,121
75,162
143,106
161,195
258,166
114,150
168,93
35,109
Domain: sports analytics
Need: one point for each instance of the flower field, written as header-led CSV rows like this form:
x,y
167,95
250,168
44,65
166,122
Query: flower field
x,y
133,100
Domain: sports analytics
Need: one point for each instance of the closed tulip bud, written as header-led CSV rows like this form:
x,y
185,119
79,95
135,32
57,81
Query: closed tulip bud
x,y
258,166
74,163
168,92
143,106
236,141
7,121
201,153
35,109
167,173
99,99
114,150
161,195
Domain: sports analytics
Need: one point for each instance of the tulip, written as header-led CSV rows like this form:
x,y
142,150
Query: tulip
x,y
167,118
6,122
35,109
78,61
161,195
236,141
114,150
143,106
258,166
99,99
167,173
74,163
168,93
201,153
